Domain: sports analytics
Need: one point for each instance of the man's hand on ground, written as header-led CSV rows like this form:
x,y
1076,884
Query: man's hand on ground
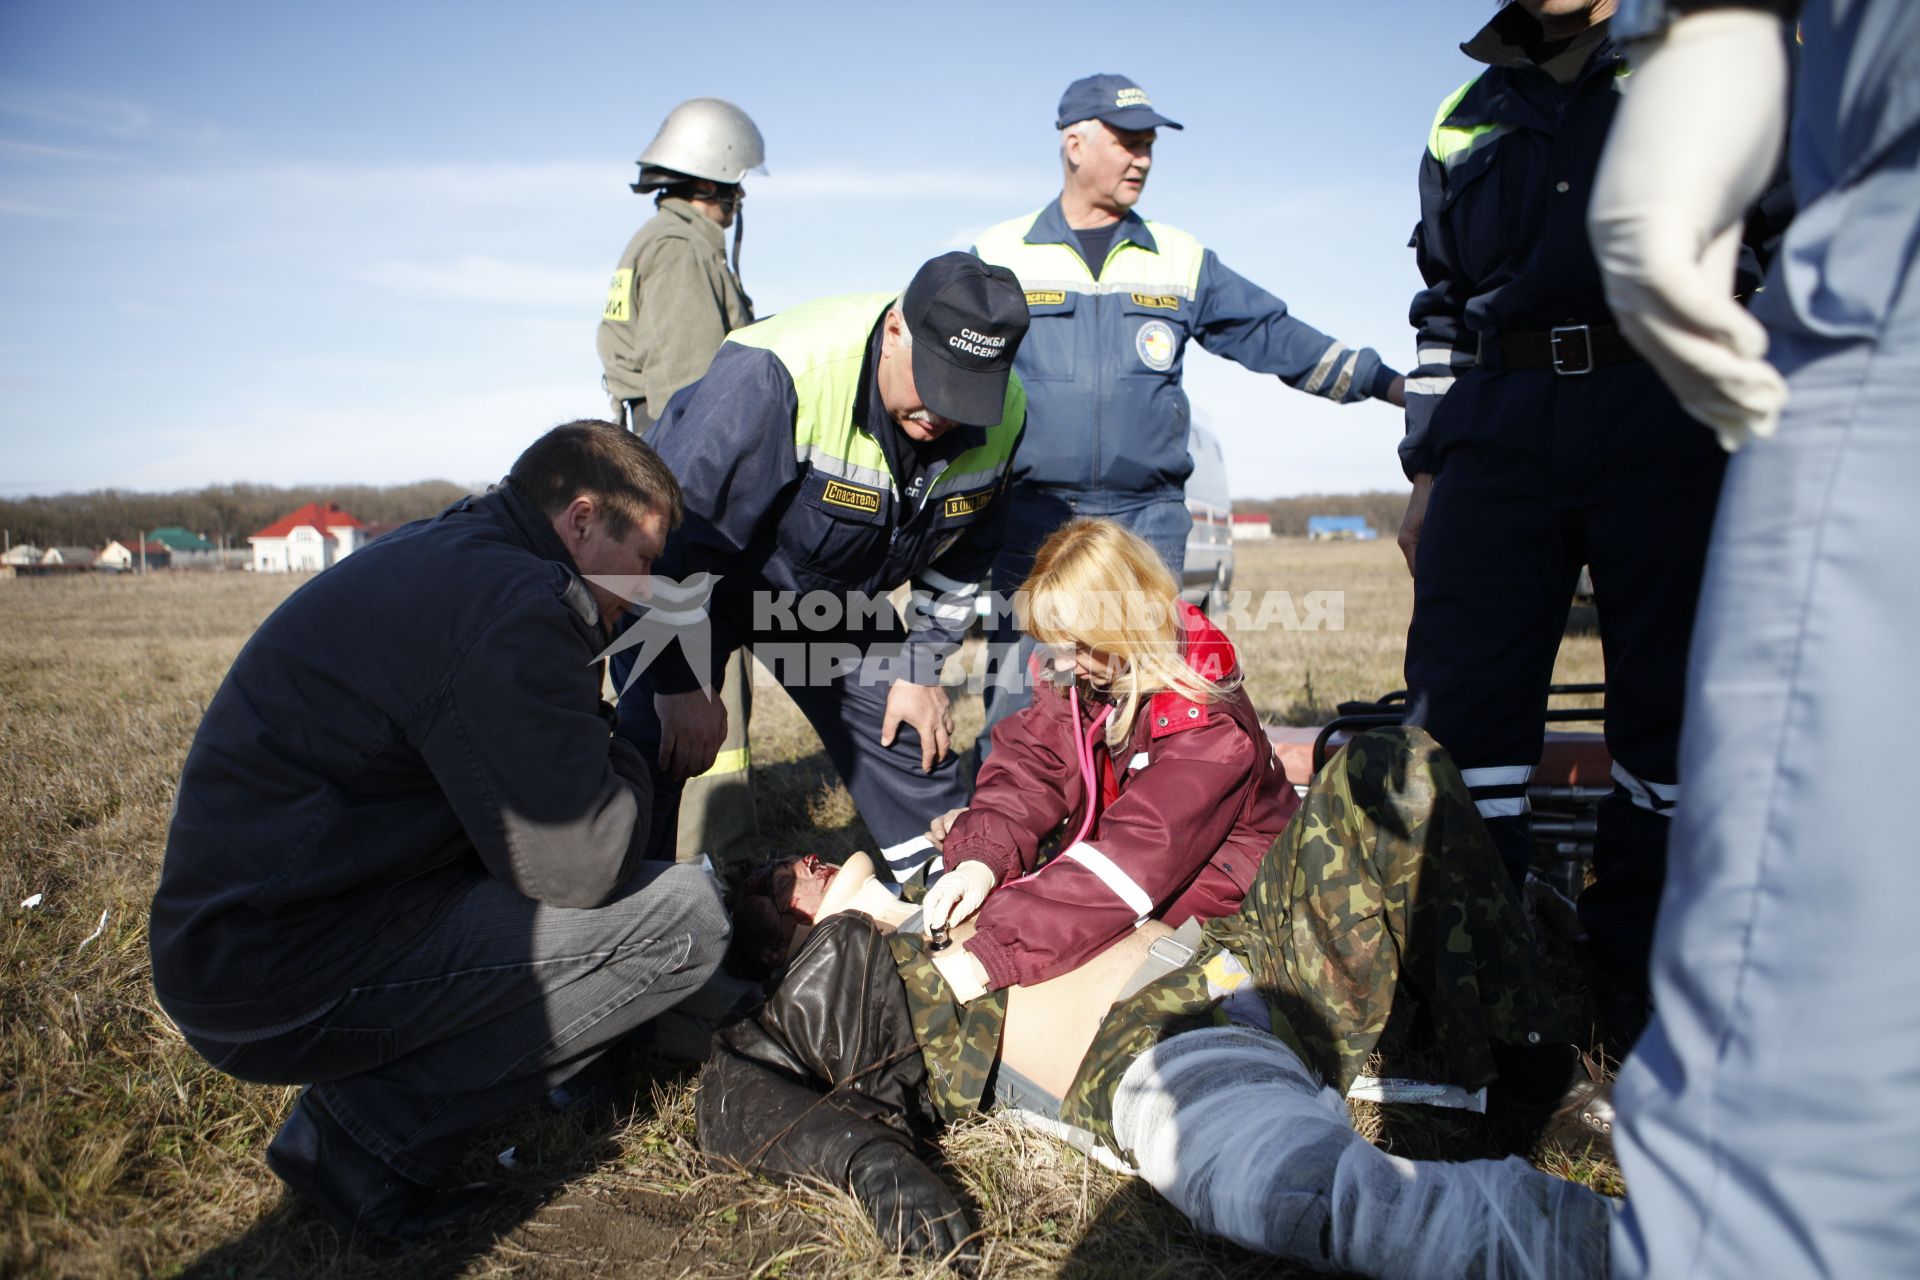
x,y
923,707
692,727
1410,524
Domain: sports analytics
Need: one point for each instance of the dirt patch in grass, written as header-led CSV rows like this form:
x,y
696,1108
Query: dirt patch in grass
x,y
121,1152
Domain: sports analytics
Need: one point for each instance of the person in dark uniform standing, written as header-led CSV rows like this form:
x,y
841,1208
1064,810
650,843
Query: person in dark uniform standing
x,y
841,449
1538,441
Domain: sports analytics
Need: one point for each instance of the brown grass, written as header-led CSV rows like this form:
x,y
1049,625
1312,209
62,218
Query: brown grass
x,y
121,1152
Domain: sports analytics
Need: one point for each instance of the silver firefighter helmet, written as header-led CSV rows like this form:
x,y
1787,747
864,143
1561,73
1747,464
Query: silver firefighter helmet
x,y
702,138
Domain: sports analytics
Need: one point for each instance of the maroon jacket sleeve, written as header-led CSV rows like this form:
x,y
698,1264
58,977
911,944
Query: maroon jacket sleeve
x,y
1169,819
1027,787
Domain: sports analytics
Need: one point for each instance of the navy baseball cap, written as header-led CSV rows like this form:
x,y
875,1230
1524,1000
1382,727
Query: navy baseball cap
x,y
967,318
1115,99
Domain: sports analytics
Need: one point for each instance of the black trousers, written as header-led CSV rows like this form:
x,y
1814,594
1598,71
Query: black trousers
x,y
1538,475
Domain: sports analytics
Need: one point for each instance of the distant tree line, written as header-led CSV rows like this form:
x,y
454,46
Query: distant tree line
x,y
1289,515
230,511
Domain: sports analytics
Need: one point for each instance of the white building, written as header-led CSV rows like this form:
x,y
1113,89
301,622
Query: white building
x,y
307,540
22,553
1251,527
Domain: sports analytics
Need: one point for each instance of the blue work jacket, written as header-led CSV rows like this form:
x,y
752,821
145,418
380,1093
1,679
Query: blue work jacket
x,y
1103,360
797,480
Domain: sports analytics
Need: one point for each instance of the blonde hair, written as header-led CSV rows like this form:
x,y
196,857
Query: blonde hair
x,y
1097,585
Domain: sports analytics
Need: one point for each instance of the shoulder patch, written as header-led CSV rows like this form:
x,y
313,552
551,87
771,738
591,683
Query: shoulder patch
x,y
1164,301
619,307
1170,713
966,504
1046,297
853,496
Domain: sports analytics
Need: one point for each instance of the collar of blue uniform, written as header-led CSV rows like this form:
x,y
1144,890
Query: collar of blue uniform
x,y
1051,228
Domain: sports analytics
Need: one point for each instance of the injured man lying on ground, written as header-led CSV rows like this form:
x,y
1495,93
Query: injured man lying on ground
x,y
1212,1062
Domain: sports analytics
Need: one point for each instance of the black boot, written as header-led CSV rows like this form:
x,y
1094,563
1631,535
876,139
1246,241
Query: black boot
x,y
1551,1096
356,1190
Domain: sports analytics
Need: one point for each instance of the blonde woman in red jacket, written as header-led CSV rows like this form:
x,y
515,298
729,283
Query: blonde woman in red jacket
x,y
1141,750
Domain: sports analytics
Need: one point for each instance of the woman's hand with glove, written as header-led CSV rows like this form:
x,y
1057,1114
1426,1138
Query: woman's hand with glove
x,y
956,895
1692,146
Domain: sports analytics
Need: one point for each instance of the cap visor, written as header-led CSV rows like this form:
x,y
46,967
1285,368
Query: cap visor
x,y
1138,118
970,398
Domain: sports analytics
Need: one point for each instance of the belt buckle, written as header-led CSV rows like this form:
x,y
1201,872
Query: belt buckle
x,y
1176,953
1554,338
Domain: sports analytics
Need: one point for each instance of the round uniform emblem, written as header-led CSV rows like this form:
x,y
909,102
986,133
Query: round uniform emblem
x,y
1154,342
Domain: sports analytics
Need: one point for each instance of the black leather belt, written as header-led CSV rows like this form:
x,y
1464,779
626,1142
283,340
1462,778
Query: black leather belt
x,y
1569,349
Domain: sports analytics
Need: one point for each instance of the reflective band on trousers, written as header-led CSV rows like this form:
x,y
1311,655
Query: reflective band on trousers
x,y
734,761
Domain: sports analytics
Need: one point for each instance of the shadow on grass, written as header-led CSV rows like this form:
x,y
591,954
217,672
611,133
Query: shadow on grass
x,y
803,808
1136,1232
551,1152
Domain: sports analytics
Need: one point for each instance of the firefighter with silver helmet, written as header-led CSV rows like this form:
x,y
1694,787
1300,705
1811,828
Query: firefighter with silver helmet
x,y
673,299
672,302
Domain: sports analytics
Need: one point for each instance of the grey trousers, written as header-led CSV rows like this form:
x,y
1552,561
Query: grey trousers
x,y
1770,1117
499,1002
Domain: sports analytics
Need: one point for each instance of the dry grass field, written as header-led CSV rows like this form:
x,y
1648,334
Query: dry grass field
x,y
122,1153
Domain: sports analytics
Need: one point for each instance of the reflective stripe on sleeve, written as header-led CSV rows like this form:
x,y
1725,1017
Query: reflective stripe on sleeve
x,y
1321,371
1338,391
942,583
1110,874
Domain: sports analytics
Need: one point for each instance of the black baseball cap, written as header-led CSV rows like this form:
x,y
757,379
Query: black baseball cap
x,y
967,318
1115,99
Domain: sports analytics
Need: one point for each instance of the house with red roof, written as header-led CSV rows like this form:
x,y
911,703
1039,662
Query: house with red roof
x,y
303,541
1251,526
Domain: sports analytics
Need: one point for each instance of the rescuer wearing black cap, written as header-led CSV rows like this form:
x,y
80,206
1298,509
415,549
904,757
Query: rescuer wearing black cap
x,y
832,453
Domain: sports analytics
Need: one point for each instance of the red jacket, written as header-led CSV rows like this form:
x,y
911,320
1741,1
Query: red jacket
x,y
1180,821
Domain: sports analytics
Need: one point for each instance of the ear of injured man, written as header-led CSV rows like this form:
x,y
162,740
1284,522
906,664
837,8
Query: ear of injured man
x,y
1220,1080
1140,749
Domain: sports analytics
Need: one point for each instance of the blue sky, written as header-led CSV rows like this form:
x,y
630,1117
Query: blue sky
x,y
369,243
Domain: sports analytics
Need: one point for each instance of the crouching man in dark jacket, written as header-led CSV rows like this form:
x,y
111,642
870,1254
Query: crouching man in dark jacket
x,y
405,864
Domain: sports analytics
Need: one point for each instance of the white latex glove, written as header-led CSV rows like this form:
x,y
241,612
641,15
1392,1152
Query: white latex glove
x,y
1692,146
956,895
966,975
